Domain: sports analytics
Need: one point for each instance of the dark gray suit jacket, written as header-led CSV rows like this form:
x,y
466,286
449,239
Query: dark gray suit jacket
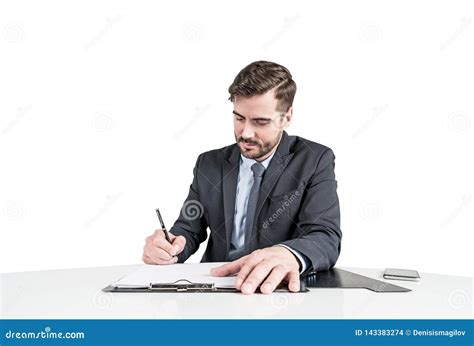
x,y
298,204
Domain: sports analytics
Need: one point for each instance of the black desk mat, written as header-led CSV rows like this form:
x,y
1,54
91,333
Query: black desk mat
x,y
340,278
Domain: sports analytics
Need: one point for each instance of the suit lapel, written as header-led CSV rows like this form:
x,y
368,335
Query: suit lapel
x,y
230,173
272,174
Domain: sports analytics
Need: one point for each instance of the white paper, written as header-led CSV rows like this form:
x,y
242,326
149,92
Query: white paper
x,y
194,272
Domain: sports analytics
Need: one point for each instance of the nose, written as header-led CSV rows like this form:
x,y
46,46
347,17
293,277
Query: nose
x,y
247,131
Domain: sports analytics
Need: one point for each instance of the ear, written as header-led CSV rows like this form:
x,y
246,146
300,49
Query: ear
x,y
288,117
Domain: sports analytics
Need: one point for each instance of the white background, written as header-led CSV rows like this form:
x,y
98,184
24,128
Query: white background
x,y
105,105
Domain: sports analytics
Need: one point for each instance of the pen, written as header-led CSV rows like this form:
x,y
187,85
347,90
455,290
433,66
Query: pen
x,y
163,226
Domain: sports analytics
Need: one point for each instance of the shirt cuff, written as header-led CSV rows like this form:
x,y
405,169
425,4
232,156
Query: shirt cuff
x,y
301,258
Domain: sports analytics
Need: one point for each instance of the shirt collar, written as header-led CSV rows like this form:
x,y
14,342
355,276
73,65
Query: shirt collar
x,y
246,162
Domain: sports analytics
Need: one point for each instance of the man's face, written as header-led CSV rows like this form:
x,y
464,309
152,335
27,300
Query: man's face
x,y
258,126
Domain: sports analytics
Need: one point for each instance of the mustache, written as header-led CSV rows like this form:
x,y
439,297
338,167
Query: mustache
x,y
241,139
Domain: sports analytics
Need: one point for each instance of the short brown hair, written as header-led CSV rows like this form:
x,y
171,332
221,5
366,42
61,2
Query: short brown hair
x,y
262,76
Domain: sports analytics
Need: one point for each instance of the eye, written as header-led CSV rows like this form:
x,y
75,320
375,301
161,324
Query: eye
x,y
262,122
239,119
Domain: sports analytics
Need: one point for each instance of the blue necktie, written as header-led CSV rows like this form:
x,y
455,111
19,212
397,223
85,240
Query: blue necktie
x,y
258,169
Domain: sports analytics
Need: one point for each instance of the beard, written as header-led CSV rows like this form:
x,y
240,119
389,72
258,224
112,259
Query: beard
x,y
259,148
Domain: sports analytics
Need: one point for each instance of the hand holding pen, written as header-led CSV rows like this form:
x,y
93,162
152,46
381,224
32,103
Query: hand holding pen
x,y
163,227
162,247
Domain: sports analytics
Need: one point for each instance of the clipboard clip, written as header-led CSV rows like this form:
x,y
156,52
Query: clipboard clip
x,y
183,285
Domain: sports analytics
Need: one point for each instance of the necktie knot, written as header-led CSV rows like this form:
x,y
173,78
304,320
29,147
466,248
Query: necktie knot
x,y
257,169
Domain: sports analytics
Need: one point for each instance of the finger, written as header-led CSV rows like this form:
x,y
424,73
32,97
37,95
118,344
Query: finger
x,y
228,268
250,262
150,260
276,276
256,276
146,259
163,255
294,281
157,254
171,261
160,241
179,243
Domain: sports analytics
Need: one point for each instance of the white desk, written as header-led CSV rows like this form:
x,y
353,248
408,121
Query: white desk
x,y
76,294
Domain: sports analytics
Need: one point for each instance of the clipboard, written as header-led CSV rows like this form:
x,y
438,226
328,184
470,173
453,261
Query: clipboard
x,y
180,278
186,286
182,285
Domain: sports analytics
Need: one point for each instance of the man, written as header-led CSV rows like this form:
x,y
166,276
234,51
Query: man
x,y
269,200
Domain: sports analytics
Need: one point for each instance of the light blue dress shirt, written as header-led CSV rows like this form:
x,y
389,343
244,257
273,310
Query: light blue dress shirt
x,y
244,185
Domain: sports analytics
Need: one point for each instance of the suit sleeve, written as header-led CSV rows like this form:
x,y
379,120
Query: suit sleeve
x,y
319,233
191,223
